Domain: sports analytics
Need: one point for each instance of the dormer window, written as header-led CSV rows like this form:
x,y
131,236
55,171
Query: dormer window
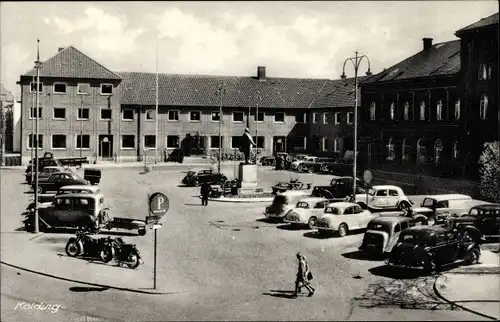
x,y
439,110
59,88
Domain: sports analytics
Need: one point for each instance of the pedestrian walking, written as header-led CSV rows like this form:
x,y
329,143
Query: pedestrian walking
x,y
205,192
304,276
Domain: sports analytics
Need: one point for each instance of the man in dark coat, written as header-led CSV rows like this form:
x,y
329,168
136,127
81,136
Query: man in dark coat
x,y
205,193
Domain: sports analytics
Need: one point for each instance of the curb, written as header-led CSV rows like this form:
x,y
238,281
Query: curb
x,y
452,303
241,200
133,290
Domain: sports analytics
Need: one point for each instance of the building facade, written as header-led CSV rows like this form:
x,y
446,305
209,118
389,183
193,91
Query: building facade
x,y
87,110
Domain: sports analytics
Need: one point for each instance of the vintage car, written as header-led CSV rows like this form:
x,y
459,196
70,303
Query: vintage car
x,y
197,178
45,173
432,247
439,207
92,175
384,198
58,180
268,160
80,210
340,189
341,217
45,200
340,167
306,211
283,203
382,234
485,217
296,165
314,165
293,184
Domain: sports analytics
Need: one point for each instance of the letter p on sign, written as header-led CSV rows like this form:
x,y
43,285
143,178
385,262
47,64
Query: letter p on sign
x,y
158,204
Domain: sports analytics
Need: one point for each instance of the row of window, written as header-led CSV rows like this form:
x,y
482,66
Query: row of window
x,y
81,88
483,108
422,153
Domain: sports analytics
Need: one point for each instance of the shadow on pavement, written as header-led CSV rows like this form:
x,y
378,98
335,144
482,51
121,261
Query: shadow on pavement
x,y
281,294
193,204
360,255
292,227
266,220
396,272
88,289
317,235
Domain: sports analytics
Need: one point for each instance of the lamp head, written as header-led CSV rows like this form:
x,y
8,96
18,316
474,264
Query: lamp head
x,y
369,73
343,76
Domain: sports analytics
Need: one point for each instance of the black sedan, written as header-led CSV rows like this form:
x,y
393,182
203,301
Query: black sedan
x,y
195,179
58,180
486,218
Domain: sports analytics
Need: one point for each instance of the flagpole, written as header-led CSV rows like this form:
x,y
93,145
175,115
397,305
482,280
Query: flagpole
x,y
37,66
156,112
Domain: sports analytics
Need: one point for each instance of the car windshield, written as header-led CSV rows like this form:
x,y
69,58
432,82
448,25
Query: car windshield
x,y
331,210
378,227
428,202
371,192
303,205
412,238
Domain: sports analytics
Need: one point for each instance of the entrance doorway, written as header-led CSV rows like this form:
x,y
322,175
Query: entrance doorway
x,y
106,146
279,144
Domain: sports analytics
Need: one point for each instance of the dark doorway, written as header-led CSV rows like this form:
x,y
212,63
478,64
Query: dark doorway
x,y
106,146
279,144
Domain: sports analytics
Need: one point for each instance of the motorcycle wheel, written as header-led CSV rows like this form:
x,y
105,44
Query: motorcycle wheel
x,y
106,254
73,248
133,260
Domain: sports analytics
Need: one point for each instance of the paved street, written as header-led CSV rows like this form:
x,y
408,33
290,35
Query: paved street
x,y
226,264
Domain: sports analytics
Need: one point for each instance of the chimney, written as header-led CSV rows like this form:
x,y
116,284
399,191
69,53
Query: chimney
x,y
59,49
427,43
261,73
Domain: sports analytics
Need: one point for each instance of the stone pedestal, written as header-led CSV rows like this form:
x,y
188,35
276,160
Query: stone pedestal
x,y
248,177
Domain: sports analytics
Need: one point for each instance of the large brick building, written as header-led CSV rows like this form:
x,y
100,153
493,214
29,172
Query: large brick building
x,y
430,113
89,110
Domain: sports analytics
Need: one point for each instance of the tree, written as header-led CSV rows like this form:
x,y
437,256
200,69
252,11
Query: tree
x,y
489,171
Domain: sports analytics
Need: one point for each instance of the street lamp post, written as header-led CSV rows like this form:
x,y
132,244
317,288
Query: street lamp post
x,y
32,130
356,61
221,91
81,126
38,65
259,98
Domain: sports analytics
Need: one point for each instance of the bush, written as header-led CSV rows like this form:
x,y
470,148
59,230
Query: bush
x,y
489,171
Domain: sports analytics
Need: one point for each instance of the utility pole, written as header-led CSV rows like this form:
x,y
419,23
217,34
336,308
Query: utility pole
x,y
257,127
38,65
156,111
81,127
32,109
221,90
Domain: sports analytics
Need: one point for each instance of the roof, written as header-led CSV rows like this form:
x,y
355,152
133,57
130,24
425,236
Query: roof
x,y
312,199
341,205
72,63
78,195
6,95
386,187
487,206
449,197
437,229
484,22
440,60
200,90
391,220
80,187
337,93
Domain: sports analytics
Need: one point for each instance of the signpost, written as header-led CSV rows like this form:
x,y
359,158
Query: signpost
x,y
158,207
367,177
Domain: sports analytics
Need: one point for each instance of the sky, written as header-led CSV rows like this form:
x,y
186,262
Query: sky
x,y
308,39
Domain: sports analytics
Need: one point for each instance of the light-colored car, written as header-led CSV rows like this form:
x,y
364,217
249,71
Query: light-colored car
x,y
341,217
45,200
440,207
307,211
283,203
298,161
383,232
384,198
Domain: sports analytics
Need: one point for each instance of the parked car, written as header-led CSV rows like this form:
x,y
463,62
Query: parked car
x,y
439,207
293,184
268,160
432,247
296,165
314,165
195,179
283,203
340,189
382,234
340,167
92,175
341,217
58,180
45,200
384,198
45,173
486,218
307,211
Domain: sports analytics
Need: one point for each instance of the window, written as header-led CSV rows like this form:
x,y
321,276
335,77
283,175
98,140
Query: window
x,y
194,116
128,114
315,117
317,143
439,110
457,110
32,144
238,117
350,117
83,141
149,141
456,150
483,107
349,211
484,71
279,117
392,111
260,141
215,116
33,113
337,118
83,88
106,89
33,87
406,111
59,113
397,228
438,151
421,151
128,141
393,193
300,143
300,117
324,144
58,141
214,142
172,141
381,193
373,108
319,205
83,114
336,144
173,115
391,154
236,142
259,117
59,88
422,111
325,118
150,115
106,114
405,155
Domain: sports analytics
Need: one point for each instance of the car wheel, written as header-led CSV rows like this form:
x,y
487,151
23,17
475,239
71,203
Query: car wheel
x,y
343,230
133,260
106,254
196,183
73,248
141,231
430,266
473,256
311,222
310,170
403,206
29,225
39,189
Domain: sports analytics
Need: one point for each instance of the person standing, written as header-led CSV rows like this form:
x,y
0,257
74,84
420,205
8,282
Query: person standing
x,y
304,276
205,193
